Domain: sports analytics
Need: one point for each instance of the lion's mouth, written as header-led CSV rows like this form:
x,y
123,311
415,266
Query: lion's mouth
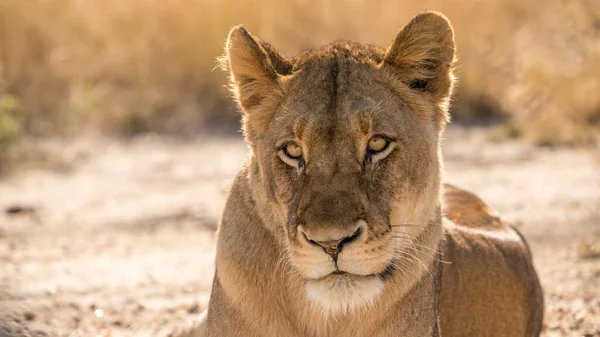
x,y
386,274
340,274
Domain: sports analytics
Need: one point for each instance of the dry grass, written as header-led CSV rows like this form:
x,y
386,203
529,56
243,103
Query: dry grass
x,y
128,66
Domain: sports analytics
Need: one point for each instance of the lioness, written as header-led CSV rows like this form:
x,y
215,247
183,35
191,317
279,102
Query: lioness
x,y
336,225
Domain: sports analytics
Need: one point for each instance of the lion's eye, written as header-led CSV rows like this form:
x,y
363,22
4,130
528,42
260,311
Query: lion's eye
x,y
378,148
378,144
293,151
292,154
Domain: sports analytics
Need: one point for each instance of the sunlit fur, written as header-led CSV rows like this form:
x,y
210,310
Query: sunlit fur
x,y
276,274
331,101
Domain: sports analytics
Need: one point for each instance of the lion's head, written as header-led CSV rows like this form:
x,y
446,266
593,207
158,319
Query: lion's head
x,y
345,153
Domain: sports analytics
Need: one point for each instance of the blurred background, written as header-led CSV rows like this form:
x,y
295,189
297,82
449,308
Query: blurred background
x,y
120,68
118,140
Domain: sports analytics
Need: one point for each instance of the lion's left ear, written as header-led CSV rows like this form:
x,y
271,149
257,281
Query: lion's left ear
x,y
422,55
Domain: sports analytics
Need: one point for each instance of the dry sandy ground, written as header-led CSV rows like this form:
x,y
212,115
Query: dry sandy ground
x,y
120,241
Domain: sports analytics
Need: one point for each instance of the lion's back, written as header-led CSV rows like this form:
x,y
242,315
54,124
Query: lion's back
x,y
489,286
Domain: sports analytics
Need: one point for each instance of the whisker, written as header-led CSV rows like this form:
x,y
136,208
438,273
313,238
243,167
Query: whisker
x,y
412,256
402,265
434,251
415,250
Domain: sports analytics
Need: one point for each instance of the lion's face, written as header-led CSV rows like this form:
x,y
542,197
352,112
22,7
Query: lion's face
x,y
345,142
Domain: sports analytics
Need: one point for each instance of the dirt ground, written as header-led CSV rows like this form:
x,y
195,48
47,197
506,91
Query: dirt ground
x,y
117,239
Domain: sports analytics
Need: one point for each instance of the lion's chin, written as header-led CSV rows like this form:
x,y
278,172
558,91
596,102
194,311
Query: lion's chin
x,y
343,293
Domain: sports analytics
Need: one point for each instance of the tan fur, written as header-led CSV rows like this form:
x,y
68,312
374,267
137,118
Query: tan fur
x,y
489,286
272,277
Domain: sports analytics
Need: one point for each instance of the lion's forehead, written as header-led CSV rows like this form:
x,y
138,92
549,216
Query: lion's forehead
x,y
336,86
336,119
341,93
344,105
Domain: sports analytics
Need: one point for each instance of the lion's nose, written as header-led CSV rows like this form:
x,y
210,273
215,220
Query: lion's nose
x,y
333,247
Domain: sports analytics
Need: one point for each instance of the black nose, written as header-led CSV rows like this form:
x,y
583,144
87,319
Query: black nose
x,y
333,247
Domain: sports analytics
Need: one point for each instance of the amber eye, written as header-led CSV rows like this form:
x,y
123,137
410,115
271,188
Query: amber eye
x,y
293,150
377,144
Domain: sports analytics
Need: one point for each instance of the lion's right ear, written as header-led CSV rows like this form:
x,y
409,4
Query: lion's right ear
x,y
255,68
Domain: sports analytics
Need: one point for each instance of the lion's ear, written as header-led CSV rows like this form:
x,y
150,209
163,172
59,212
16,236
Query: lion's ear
x,y
255,67
422,55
